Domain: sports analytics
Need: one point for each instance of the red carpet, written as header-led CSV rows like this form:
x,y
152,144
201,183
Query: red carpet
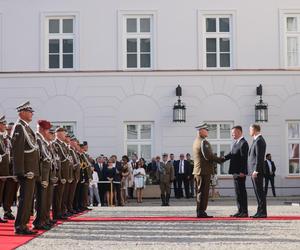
x,y
91,219
8,239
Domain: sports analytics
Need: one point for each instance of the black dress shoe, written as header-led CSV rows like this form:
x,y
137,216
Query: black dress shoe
x,y
62,218
259,216
9,216
41,227
25,232
204,215
242,215
235,215
3,221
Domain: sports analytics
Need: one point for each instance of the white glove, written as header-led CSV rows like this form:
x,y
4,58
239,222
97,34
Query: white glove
x,y
44,184
29,175
63,181
54,179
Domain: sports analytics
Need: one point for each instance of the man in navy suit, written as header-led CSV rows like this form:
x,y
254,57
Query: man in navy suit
x,y
269,174
99,168
238,168
256,162
182,174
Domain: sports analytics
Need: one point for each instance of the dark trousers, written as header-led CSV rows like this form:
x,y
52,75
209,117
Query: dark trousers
x,y
271,179
258,185
10,193
57,200
65,198
76,203
241,194
71,196
192,186
182,178
41,205
27,187
101,190
2,185
117,188
202,183
175,185
49,201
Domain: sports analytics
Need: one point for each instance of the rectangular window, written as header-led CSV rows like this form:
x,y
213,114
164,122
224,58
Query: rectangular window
x,y
69,126
293,128
139,139
217,37
60,42
220,140
292,40
138,42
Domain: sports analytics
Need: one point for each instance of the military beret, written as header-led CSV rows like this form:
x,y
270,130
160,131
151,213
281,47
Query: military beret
x,y
44,124
25,107
85,143
202,125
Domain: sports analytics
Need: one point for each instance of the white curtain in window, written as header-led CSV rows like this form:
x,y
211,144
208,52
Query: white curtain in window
x,y
291,23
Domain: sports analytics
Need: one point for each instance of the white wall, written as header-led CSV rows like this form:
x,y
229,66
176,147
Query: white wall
x,y
257,36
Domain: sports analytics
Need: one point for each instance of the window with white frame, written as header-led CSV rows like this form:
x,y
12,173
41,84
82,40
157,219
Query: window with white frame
x,y
217,38
138,42
293,132
60,48
139,139
292,40
70,127
220,140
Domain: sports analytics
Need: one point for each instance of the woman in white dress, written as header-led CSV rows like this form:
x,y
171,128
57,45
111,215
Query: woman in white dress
x,y
139,181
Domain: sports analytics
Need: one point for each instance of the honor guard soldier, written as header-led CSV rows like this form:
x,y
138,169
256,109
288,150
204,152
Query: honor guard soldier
x,y
25,153
204,160
42,188
4,159
11,184
84,180
76,172
165,176
62,151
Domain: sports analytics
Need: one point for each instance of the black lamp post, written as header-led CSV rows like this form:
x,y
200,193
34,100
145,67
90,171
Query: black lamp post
x,y
179,110
261,108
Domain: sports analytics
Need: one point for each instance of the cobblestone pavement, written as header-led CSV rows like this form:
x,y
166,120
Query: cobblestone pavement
x,y
254,234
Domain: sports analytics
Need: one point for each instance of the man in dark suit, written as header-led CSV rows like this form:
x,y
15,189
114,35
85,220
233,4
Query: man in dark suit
x,y
182,174
99,168
269,174
238,168
256,168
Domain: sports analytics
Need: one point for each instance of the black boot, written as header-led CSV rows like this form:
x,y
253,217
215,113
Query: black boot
x,y
167,199
198,211
163,199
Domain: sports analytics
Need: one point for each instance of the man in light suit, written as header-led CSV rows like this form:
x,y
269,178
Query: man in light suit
x,y
256,168
238,168
269,174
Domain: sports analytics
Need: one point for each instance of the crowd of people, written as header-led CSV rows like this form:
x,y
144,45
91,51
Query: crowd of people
x,y
53,171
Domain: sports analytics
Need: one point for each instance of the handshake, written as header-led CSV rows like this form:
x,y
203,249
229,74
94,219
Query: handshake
x,y
222,158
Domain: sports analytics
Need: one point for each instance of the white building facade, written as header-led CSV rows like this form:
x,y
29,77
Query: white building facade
x,y
108,71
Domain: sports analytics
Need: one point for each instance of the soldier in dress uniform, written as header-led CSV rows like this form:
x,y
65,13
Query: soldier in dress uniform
x,y
165,175
62,151
42,188
54,176
11,184
4,159
204,160
67,192
73,147
25,153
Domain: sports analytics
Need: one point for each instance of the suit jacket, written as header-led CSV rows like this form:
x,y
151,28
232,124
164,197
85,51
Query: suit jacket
x,y
25,150
256,158
267,169
100,171
238,157
187,167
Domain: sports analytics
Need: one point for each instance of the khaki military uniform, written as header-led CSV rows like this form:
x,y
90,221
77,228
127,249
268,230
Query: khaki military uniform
x,y
204,160
165,176
4,165
25,153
